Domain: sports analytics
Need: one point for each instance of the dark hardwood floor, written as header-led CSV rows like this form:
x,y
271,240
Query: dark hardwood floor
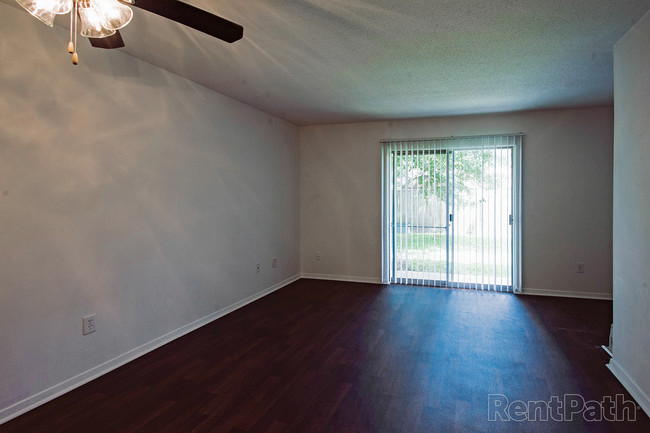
x,y
320,356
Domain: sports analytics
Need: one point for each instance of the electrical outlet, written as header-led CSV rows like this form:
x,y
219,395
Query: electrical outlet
x,y
581,268
274,262
89,325
317,255
257,267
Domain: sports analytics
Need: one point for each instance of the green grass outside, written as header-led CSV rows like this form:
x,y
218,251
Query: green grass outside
x,y
430,241
440,266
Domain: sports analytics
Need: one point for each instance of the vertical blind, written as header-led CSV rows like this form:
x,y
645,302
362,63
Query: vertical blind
x,y
451,212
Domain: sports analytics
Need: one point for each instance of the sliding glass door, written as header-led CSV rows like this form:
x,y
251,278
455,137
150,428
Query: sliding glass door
x,y
451,212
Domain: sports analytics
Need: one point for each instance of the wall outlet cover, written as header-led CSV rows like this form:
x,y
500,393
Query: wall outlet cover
x,y
89,325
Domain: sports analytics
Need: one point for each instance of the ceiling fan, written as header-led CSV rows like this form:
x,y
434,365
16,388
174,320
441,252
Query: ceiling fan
x,y
100,20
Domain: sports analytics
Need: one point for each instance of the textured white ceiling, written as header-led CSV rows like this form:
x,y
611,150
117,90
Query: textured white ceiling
x,y
330,61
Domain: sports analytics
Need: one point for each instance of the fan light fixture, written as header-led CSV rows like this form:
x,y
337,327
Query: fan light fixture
x,y
90,18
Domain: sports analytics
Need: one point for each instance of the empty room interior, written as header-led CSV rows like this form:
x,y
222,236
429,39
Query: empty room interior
x,y
324,216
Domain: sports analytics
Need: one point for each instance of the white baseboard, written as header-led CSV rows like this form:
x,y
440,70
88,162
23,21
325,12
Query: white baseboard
x,y
630,385
51,393
568,294
347,278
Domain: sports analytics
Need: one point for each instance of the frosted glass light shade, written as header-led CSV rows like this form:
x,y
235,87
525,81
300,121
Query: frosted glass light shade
x,y
114,15
46,10
57,6
91,22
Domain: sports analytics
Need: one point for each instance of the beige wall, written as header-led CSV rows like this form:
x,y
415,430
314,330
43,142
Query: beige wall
x,y
567,188
631,362
127,192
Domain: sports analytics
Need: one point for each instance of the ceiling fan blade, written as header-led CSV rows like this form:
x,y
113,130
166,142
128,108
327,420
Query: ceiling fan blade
x,y
109,42
193,17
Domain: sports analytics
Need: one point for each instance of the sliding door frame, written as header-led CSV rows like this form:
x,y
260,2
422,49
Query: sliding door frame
x,y
388,211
